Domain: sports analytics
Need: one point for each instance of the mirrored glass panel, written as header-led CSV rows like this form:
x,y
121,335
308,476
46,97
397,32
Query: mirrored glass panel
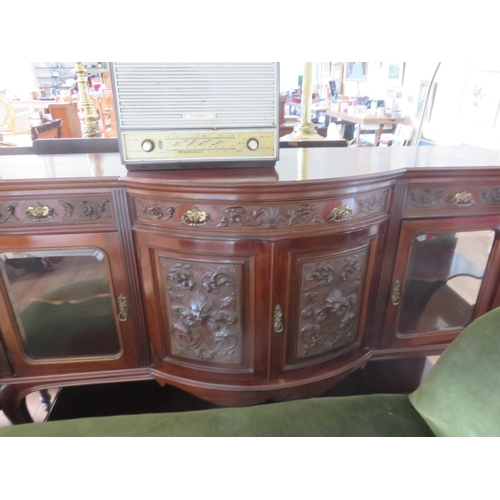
x,y
62,301
444,276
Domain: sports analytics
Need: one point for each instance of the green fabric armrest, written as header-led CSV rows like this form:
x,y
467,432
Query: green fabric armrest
x,y
377,415
461,395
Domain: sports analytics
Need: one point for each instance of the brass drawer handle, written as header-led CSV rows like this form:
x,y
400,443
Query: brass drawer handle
x,y
340,213
122,307
396,293
196,217
39,213
277,319
463,199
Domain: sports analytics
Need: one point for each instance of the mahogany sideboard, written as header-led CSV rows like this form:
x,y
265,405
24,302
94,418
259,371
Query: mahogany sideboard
x,y
240,286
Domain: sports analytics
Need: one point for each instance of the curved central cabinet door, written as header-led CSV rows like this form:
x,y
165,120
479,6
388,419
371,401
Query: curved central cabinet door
x,y
325,300
207,306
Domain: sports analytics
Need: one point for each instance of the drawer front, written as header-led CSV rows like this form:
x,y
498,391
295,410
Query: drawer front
x,y
262,217
451,199
61,210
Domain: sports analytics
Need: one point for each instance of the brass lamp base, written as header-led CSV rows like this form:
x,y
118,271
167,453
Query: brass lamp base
x,y
303,132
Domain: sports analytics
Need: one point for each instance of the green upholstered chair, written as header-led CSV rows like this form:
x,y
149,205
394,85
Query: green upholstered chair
x,y
72,320
460,397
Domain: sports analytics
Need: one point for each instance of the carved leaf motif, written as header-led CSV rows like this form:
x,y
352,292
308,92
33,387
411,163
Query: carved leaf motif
x,y
155,211
203,308
86,209
373,203
491,195
270,217
7,212
426,197
330,293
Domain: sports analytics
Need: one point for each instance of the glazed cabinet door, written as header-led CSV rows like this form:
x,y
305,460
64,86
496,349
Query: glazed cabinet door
x,y
63,304
207,306
323,299
445,275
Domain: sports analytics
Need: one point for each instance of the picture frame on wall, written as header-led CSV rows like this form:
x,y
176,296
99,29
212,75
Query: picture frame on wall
x,y
481,101
422,92
395,74
337,76
355,71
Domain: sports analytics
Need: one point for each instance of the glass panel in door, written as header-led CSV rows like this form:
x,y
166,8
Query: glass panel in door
x,y
444,276
62,302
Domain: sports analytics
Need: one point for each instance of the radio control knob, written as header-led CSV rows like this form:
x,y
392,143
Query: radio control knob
x,y
253,144
148,145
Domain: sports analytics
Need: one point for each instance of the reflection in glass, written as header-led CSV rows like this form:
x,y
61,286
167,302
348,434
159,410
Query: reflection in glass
x,y
62,302
444,276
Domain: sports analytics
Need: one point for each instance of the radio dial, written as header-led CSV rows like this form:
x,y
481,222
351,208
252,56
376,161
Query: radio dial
x,y
148,145
253,144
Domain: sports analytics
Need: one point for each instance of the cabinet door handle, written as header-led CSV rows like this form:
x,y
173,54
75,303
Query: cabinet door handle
x,y
196,217
340,213
122,307
39,213
463,199
277,319
396,293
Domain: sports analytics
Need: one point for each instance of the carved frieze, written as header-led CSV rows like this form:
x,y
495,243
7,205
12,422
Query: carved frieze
x,y
7,211
425,197
204,310
86,209
269,217
330,295
154,211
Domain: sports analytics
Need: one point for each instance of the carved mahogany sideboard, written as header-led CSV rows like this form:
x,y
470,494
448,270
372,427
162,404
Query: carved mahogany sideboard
x,y
240,286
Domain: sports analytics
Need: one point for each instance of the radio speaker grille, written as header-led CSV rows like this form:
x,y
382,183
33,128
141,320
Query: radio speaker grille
x,y
196,95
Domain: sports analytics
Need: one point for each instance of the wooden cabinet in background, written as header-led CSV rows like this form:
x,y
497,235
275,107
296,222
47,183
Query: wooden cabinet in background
x,y
68,113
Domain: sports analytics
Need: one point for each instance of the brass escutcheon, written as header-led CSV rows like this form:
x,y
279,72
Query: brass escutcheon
x,y
122,307
396,293
277,319
340,213
196,217
39,213
463,199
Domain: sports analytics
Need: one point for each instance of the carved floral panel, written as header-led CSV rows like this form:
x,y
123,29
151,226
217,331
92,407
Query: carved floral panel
x,y
330,296
204,310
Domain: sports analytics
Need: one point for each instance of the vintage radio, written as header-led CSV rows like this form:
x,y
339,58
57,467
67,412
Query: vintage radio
x,y
192,115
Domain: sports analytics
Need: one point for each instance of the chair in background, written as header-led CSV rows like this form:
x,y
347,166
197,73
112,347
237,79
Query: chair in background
x,y
402,136
50,130
13,123
106,108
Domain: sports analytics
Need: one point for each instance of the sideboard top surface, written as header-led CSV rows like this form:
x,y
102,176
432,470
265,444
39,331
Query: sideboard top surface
x,y
310,165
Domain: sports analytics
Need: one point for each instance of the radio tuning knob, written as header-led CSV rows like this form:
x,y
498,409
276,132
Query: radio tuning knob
x,y
148,145
253,144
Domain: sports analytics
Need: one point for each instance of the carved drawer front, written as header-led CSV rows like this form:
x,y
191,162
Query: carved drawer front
x,y
456,199
61,210
264,216
206,313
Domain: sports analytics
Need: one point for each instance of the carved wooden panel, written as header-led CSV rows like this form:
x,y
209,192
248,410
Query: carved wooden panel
x,y
59,211
204,310
330,297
